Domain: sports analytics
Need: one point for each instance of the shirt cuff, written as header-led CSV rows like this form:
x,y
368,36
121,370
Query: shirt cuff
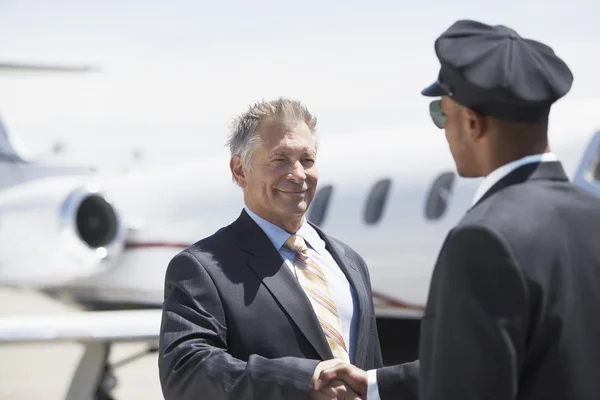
x,y
372,387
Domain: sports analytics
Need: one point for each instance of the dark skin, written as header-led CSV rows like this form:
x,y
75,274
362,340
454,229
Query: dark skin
x,y
479,145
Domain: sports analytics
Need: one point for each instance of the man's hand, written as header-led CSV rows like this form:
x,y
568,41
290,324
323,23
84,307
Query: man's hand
x,y
354,377
334,389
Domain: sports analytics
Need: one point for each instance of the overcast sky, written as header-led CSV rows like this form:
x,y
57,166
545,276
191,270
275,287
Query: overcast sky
x,y
175,72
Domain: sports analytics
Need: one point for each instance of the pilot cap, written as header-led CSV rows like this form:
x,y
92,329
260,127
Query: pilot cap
x,y
497,73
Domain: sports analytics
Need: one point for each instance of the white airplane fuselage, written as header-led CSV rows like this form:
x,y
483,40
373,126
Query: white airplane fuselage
x,y
159,212
104,242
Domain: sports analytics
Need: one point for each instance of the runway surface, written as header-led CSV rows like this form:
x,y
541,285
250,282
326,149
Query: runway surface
x,y
43,371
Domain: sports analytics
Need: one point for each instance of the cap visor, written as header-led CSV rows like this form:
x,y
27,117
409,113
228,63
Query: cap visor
x,y
434,90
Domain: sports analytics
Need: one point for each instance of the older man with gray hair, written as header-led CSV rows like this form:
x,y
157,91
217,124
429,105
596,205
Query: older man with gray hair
x,y
259,308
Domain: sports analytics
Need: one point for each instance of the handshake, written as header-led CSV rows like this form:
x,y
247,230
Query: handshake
x,y
337,380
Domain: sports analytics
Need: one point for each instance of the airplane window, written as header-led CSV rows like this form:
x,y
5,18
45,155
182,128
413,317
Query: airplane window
x,y
376,201
597,171
318,207
438,197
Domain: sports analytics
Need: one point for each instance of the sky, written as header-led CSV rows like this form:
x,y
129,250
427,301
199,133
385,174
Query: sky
x,y
173,74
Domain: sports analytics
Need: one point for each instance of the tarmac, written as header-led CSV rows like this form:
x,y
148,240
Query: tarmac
x,y
44,371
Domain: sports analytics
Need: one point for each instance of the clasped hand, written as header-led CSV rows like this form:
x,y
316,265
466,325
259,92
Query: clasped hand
x,y
337,380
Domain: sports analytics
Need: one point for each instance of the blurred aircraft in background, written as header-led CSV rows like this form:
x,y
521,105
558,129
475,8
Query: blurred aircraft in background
x,y
104,242
16,166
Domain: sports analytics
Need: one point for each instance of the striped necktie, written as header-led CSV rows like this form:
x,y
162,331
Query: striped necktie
x,y
314,283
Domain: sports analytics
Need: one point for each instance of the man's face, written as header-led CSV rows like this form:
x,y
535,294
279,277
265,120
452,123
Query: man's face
x,y
458,128
284,176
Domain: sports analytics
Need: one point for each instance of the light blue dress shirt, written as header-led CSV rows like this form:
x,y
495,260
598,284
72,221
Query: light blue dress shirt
x,y
341,291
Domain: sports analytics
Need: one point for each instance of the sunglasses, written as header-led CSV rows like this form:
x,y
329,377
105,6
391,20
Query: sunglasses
x,y
437,114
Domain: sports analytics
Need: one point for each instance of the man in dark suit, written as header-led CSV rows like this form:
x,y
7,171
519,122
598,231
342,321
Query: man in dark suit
x,y
257,309
514,298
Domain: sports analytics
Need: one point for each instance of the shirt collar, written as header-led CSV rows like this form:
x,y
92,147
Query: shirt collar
x,y
278,236
499,173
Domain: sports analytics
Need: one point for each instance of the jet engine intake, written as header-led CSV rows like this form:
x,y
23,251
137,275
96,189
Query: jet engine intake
x,y
90,220
55,230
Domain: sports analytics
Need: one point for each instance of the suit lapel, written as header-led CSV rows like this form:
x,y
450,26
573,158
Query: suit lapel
x,y
348,266
270,268
550,170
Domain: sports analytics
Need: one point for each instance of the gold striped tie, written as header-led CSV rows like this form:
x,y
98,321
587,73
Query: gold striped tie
x,y
313,281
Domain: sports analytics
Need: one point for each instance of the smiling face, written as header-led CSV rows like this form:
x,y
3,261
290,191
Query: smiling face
x,y
283,179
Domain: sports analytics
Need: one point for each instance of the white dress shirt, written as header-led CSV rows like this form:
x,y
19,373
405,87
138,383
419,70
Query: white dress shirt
x,y
487,183
506,169
342,292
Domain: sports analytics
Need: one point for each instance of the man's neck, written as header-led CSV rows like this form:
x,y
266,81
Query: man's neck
x,y
502,158
290,225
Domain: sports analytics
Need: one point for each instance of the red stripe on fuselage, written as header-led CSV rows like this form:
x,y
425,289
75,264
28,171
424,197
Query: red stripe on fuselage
x,y
386,301
148,245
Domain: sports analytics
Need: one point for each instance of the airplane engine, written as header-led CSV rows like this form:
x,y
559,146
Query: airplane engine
x,y
90,225
54,232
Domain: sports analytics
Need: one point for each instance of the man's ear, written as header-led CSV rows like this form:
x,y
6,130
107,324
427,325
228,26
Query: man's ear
x,y
237,171
473,123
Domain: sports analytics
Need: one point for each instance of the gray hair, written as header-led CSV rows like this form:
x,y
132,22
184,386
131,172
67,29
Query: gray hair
x,y
244,128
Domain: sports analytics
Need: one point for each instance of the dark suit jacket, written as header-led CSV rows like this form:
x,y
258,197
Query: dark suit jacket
x,y
514,303
237,325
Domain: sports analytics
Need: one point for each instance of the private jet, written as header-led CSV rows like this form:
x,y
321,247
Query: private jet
x,y
102,243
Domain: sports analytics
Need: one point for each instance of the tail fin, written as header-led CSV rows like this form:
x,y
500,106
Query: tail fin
x,y
8,148
17,167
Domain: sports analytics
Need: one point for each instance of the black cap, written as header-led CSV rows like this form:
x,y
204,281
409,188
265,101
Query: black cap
x,y
496,72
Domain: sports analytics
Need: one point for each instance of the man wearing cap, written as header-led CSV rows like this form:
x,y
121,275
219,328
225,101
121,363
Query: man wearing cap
x,y
514,297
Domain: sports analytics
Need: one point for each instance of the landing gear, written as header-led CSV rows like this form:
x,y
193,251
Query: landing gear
x,y
108,382
94,378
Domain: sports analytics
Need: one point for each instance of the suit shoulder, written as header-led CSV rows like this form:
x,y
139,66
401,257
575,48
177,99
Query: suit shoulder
x,y
209,250
532,207
221,238
542,215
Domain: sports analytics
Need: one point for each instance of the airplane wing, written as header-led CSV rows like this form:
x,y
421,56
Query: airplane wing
x,y
97,330
29,67
83,326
